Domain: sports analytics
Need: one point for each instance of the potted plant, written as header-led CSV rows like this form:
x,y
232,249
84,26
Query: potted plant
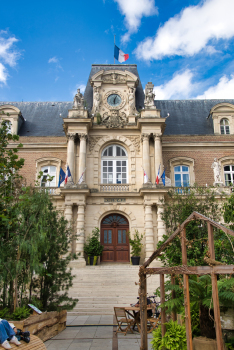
x,y
93,248
136,245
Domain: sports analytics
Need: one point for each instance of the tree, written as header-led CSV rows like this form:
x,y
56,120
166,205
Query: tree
x,y
34,238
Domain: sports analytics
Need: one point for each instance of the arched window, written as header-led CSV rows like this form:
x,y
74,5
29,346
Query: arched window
x,y
51,171
224,127
114,165
228,174
181,173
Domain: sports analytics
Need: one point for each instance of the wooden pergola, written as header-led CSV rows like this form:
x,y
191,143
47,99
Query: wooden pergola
x,y
214,270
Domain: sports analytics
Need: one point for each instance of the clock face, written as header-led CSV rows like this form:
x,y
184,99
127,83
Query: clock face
x,y
114,100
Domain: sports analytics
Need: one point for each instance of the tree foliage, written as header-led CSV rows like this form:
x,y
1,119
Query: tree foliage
x,y
34,238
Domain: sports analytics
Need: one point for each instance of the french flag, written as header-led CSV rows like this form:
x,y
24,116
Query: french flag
x,y
119,55
68,174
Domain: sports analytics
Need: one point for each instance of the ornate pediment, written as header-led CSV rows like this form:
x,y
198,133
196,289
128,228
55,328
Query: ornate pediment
x,y
114,77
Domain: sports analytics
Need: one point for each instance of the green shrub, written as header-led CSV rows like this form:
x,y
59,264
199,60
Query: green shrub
x,y
5,313
21,312
135,243
174,338
93,247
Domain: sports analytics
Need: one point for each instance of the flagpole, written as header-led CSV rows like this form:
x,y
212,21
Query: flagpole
x,y
114,48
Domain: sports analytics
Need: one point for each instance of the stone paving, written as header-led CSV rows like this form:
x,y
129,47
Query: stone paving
x,y
97,334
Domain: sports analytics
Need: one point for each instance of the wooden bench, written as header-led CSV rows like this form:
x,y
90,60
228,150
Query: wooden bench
x,y
34,344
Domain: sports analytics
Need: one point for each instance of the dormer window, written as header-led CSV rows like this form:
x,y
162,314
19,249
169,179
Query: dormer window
x,y
224,127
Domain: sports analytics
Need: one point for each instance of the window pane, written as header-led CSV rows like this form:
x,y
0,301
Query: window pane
x,y
177,180
185,180
119,236
123,153
105,153
124,176
227,168
118,163
184,168
104,176
118,149
105,236
118,178
104,163
110,169
53,169
124,169
177,168
109,236
124,181
222,129
124,163
124,236
110,162
227,130
110,151
105,169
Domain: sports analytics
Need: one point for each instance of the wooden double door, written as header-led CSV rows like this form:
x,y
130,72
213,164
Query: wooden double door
x,y
114,238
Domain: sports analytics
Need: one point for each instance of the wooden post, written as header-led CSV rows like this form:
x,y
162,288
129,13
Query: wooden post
x,y
173,295
143,309
162,300
215,295
186,293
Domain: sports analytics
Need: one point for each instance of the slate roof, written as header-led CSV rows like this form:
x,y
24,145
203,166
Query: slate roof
x,y
187,117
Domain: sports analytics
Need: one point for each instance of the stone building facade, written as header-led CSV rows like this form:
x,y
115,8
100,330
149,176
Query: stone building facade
x,y
112,135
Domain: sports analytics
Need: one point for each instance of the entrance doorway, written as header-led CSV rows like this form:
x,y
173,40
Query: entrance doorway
x,y
114,228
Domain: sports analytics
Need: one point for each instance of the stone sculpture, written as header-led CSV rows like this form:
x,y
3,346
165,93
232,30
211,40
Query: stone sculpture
x,y
149,96
216,166
96,101
78,100
131,100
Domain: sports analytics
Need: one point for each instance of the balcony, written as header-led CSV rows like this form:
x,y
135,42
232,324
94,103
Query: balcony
x,y
114,188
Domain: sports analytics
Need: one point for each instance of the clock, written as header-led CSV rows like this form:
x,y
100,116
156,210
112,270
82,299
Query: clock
x,y
114,100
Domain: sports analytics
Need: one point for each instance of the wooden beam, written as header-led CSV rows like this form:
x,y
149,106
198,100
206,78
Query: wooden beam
x,y
191,270
143,308
162,300
218,330
173,295
215,295
193,216
186,294
165,244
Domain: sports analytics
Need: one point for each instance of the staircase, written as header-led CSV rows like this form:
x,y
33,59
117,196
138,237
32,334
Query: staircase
x,y
100,288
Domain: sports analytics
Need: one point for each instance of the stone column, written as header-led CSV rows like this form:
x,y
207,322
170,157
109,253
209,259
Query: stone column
x,y
70,153
161,226
69,216
80,235
146,154
149,232
82,161
158,159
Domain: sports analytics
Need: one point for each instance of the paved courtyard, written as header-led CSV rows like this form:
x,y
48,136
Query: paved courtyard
x,y
93,333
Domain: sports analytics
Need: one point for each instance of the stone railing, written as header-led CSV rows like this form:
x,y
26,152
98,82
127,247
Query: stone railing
x,y
51,190
114,188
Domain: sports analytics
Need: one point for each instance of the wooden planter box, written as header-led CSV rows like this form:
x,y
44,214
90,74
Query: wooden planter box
x,y
44,326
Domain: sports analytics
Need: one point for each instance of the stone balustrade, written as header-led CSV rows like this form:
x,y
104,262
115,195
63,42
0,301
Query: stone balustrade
x,y
114,188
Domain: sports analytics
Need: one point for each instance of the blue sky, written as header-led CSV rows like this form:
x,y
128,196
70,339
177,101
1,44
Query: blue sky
x,y
184,47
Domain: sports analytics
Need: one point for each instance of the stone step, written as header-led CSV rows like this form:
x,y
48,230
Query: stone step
x,y
100,288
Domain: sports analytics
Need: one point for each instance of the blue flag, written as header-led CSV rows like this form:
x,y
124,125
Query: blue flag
x,y
61,177
163,177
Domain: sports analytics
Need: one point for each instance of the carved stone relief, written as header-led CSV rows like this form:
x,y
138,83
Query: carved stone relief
x,y
92,142
136,142
114,119
216,166
96,101
114,78
71,136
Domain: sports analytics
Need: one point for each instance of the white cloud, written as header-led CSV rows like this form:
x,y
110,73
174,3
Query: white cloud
x,y
53,60
191,31
8,54
179,87
3,74
56,61
134,10
224,89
